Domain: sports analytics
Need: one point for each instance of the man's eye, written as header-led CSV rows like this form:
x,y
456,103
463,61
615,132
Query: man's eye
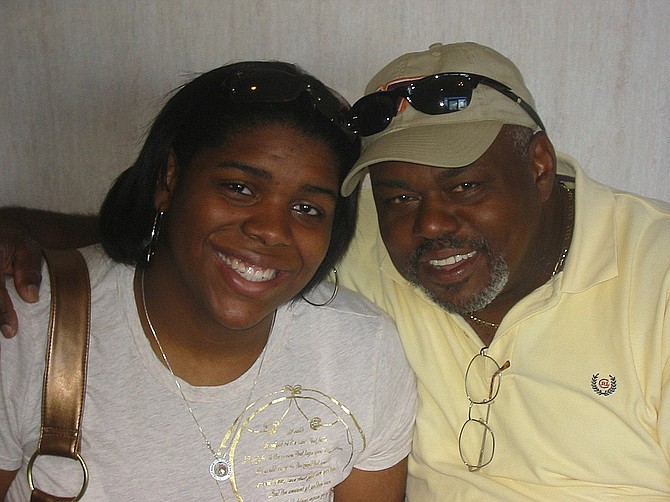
x,y
400,199
464,187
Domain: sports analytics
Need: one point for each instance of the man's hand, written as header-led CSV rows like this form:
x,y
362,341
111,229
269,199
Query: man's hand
x,y
20,256
24,233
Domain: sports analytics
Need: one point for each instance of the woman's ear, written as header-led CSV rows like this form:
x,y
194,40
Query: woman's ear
x,y
165,184
543,164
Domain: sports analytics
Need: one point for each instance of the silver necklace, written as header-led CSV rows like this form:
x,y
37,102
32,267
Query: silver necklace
x,y
220,469
567,238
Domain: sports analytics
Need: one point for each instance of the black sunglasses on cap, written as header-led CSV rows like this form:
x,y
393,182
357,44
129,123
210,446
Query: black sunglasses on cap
x,y
270,85
433,95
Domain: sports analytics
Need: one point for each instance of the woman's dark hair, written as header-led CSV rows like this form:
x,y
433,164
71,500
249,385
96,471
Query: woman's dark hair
x,y
204,113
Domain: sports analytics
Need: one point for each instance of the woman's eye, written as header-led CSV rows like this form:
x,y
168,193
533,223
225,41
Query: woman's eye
x,y
307,209
237,188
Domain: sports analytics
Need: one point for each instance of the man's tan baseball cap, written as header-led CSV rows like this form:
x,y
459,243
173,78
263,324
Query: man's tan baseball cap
x,y
451,139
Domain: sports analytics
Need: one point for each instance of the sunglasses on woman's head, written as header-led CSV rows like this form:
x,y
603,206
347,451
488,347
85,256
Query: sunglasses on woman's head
x,y
433,95
269,85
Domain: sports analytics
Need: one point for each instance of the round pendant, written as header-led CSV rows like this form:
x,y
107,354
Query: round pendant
x,y
220,469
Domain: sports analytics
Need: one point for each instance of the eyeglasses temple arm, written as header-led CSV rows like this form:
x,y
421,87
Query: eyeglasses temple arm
x,y
503,89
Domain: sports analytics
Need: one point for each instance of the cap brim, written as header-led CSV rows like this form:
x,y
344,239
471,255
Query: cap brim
x,y
437,145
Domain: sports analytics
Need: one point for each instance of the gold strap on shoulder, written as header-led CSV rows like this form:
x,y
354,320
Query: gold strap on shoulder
x,y
66,363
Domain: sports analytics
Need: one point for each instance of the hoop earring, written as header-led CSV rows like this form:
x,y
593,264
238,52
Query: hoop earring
x,y
332,296
153,238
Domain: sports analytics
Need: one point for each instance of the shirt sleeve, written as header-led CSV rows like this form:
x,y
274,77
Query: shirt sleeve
x,y
664,408
395,402
21,373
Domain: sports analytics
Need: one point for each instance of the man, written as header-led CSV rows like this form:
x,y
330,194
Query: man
x,y
533,313
532,301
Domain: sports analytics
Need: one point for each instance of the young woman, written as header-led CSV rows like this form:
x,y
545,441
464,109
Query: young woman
x,y
222,365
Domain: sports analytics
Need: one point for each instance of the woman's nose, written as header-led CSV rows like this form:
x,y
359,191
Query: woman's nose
x,y
269,224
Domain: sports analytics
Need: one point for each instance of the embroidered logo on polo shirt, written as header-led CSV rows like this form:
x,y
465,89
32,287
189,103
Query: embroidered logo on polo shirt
x,y
603,386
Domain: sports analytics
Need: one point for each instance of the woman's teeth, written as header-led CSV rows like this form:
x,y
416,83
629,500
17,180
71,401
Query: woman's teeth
x,y
249,272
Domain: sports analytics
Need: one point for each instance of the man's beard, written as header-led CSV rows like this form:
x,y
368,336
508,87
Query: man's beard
x,y
498,269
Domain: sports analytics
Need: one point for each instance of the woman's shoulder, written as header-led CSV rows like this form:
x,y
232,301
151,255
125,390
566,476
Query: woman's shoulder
x,y
100,265
348,319
105,274
340,301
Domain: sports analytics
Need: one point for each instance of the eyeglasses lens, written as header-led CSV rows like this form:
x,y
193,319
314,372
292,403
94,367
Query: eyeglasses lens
x,y
373,113
265,87
476,444
276,86
440,94
482,379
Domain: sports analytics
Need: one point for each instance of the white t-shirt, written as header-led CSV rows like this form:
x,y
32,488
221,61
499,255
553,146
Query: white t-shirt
x,y
333,392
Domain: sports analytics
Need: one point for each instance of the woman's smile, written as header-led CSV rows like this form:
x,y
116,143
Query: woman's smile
x,y
248,271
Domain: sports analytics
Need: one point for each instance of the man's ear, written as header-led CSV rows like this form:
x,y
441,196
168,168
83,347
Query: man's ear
x,y
542,157
165,185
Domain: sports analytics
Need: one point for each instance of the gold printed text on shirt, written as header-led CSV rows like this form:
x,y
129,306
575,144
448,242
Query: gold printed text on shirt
x,y
293,439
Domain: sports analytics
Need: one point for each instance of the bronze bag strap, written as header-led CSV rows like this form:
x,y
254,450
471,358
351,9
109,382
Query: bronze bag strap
x,y
64,385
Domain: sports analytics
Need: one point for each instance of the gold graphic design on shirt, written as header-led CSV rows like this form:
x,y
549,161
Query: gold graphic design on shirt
x,y
295,444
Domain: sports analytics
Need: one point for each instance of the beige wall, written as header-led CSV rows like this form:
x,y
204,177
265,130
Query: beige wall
x,y
81,79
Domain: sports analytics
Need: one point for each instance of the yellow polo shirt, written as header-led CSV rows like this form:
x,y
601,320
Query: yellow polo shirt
x,y
583,412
